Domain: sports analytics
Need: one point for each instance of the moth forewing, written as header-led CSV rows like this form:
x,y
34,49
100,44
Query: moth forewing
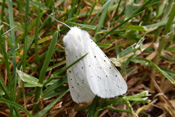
x,y
94,74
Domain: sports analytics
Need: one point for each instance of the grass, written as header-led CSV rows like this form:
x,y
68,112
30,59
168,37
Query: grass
x,y
137,35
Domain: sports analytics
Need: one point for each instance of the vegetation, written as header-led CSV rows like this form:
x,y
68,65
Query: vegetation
x,y
138,36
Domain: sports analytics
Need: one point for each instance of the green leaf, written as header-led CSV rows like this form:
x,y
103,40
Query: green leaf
x,y
28,79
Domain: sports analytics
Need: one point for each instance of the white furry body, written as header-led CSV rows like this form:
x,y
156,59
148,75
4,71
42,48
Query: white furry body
x,y
94,74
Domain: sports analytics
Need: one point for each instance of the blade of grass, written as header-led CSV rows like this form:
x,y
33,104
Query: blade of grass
x,y
128,61
130,108
31,25
102,17
112,109
25,34
36,38
95,18
2,47
135,14
89,14
54,86
56,92
47,108
2,100
43,71
74,8
92,107
13,41
137,98
4,89
20,8
167,28
117,27
116,12
159,69
24,61
12,32
2,11
99,109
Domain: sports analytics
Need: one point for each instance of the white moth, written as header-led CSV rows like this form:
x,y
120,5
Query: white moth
x,y
94,74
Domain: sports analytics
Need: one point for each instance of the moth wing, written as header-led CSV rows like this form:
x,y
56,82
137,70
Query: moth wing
x,y
103,77
77,80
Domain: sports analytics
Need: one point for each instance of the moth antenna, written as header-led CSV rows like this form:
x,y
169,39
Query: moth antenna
x,y
58,21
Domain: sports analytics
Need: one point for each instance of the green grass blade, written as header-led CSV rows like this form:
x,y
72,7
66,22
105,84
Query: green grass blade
x,y
84,25
119,2
2,100
54,86
56,92
102,17
167,28
2,10
13,41
2,47
137,98
172,80
4,89
47,108
117,27
134,14
90,12
36,38
20,8
25,34
92,107
44,69
12,32
104,6
133,114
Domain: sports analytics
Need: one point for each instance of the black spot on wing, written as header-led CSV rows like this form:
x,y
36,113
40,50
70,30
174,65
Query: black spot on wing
x,y
83,81
77,74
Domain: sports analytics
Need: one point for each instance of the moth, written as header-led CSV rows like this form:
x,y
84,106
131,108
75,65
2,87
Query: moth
x,y
94,74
